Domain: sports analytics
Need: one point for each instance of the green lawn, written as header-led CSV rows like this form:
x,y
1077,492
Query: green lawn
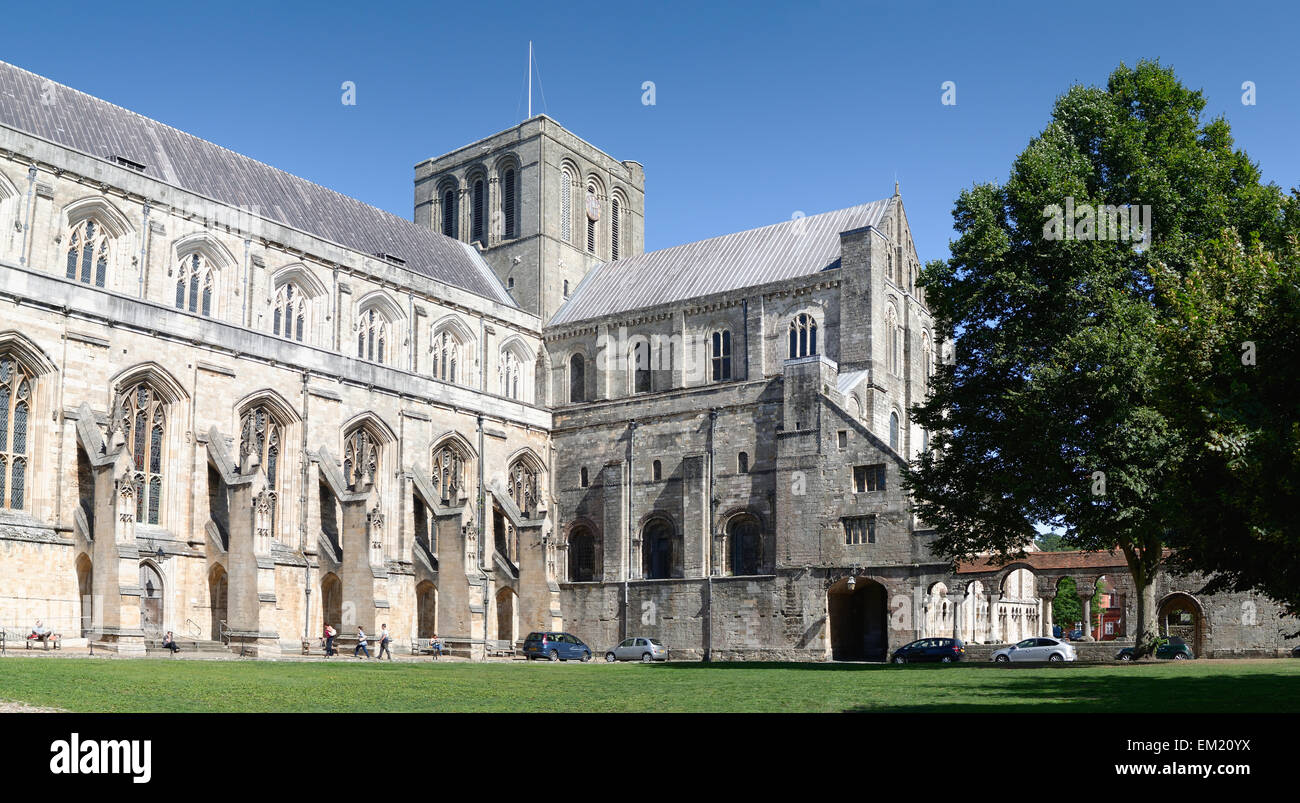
x,y
88,684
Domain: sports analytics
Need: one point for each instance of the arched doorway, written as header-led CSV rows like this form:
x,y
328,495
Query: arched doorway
x,y
151,601
858,619
426,610
506,615
744,545
218,594
1180,615
85,585
331,601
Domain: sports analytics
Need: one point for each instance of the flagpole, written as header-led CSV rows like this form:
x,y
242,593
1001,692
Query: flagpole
x,y
530,79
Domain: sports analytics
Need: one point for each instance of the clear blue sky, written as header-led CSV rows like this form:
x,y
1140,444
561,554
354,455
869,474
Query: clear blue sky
x,y
762,109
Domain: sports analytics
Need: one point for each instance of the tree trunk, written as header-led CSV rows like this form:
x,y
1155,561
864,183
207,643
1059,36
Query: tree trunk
x,y
1144,631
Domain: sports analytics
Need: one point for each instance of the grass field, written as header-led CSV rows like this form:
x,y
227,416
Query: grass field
x,y
89,685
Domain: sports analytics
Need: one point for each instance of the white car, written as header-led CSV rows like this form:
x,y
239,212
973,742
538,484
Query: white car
x,y
1036,649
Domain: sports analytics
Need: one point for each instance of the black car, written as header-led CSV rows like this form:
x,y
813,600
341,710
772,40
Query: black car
x,y
944,650
1295,651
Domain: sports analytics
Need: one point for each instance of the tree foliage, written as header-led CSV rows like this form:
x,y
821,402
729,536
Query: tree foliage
x,y
1053,409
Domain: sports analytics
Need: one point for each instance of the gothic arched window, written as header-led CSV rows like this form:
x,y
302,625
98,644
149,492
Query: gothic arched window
x,y
360,459
260,434
290,318
895,335
372,336
88,256
450,464
523,486
893,430
15,418
803,336
722,355
511,370
195,285
577,378
446,356
143,418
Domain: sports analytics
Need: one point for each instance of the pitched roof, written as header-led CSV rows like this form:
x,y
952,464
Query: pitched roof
x,y
798,247
98,128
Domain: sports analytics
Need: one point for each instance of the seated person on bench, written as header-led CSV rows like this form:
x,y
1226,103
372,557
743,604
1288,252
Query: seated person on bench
x,y
436,646
42,633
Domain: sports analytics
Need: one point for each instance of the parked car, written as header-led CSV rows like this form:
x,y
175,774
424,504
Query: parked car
x,y
1295,651
638,649
1036,649
556,647
1173,648
945,650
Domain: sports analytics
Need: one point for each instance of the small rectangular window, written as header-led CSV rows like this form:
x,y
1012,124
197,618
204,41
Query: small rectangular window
x,y
869,478
859,530
843,437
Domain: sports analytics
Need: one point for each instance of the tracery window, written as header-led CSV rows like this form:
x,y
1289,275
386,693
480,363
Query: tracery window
x,y
195,285
511,371
261,435
372,336
360,459
88,253
523,486
15,417
803,336
446,356
143,418
450,463
290,318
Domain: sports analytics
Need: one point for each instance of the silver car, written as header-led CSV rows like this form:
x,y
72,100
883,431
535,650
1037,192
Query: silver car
x,y
1036,649
638,649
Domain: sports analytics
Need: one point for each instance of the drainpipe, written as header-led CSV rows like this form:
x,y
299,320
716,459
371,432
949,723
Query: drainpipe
x,y
631,526
144,247
27,211
708,544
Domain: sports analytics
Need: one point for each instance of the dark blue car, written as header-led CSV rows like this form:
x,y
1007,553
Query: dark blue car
x,y
943,650
555,647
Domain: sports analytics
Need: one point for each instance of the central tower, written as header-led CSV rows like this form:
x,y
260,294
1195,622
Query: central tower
x,y
542,206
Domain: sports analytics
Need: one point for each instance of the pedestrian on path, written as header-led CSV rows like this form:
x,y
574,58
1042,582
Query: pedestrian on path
x,y
383,643
361,643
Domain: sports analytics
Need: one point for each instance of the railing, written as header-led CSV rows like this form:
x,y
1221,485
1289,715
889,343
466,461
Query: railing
x,y
222,635
198,631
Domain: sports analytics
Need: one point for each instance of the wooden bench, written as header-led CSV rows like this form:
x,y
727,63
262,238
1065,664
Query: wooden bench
x,y
501,649
8,634
420,646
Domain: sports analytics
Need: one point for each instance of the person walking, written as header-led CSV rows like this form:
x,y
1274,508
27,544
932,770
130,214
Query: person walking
x,y
384,641
330,633
361,643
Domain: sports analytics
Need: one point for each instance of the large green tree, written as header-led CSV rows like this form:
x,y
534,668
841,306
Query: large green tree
x,y
1232,337
1052,409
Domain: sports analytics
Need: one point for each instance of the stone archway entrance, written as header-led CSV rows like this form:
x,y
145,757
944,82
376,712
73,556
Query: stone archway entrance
x,y
506,615
151,601
426,608
331,601
218,593
85,592
858,620
1180,615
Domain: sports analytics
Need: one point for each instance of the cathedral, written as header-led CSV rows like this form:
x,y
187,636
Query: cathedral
x,y
238,406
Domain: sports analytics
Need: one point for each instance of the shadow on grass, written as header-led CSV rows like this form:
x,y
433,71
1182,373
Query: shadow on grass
x,y
1122,693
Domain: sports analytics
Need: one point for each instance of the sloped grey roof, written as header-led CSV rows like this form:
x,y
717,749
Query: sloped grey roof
x,y
798,247
37,106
